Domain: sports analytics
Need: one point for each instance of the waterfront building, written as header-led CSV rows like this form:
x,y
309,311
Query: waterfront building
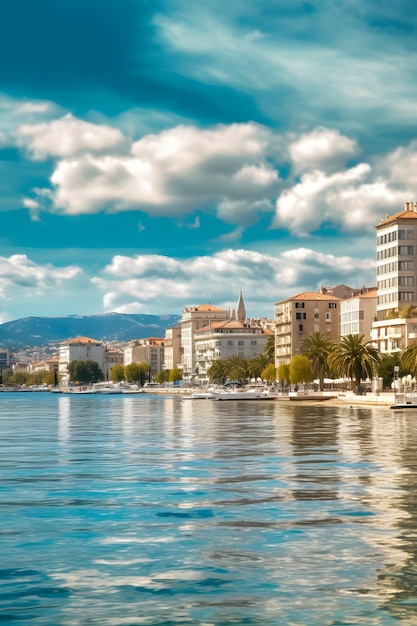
x,y
112,357
172,348
357,314
394,335
149,350
396,265
299,316
4,359
194,318
222,340
47,365
80,349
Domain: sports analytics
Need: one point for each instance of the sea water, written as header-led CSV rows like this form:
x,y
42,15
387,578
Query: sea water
x,y
149,510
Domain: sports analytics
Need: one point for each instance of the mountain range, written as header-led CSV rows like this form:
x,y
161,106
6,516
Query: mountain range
x,y
39,331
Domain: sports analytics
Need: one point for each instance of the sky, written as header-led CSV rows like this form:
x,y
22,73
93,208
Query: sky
x,y
158,154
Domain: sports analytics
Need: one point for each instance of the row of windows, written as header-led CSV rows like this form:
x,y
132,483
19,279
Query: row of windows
x,y
386,283
387,238
230,342
387,268
403,296
301,305
405,234
394,251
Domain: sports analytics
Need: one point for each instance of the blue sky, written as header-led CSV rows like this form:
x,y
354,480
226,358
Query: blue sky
x,y
156,154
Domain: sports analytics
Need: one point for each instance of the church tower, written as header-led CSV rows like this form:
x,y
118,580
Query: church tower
x,y
241,311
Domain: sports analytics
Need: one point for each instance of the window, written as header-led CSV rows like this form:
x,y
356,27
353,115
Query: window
x,y
332,305
410,234
405,249
240,343
405,296
406,265
316,316
299,305
406,281
300,328
401,234
327,317
253,342
230,342
298,316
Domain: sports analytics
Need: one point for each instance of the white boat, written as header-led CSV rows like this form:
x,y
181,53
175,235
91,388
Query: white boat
x,y
246,393
405,401
201,395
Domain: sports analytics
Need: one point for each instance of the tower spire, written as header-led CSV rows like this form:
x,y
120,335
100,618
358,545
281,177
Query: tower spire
x,y
241,311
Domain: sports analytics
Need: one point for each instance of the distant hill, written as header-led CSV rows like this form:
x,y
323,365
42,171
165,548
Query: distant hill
x,y
39,331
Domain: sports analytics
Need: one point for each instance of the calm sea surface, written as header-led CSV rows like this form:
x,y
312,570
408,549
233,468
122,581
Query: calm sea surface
x,y
146,510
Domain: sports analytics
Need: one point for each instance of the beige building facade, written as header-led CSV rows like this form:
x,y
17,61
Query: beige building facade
x,y
299,316
149,350
172,348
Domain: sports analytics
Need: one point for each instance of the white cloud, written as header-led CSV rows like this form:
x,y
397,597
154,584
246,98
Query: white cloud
x,y
343,200
323,148
172,174
155,283
68,137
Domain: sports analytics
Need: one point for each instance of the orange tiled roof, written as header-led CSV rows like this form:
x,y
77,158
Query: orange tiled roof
x,y
312,296
206,307
401,215
83,340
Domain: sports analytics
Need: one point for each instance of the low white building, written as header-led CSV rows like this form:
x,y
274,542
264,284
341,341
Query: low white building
x,y
221,340
394,335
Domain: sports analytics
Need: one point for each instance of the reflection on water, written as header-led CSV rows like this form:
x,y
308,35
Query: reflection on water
x,y
151,510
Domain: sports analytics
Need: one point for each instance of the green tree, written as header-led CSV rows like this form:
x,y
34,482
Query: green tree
x,y
269,351
117,373
283,372
175,375
269,373
85,372
137,373
354,358
409,360
386,367
317,348
301,370
256,365
217,372
237,368
162,377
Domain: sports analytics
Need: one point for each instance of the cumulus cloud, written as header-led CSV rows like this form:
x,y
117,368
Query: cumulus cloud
x,y
18,271
161,283
68,137
172,173
344,200
322,149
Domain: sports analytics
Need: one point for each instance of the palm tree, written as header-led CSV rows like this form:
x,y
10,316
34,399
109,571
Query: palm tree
x,y
217,372
269,351
257,364
237,368
409,359
353,357
317,348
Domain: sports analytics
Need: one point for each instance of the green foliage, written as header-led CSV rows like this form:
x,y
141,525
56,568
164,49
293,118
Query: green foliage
x,y
117,373
269,351
409,360
162,376
386,367
301,370
217,372
354,358
85,372
175,374
137,373
317,348
236,368
256,365
269,373
283,372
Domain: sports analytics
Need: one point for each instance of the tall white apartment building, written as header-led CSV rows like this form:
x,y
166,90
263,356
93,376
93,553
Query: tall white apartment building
x,y
396,263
